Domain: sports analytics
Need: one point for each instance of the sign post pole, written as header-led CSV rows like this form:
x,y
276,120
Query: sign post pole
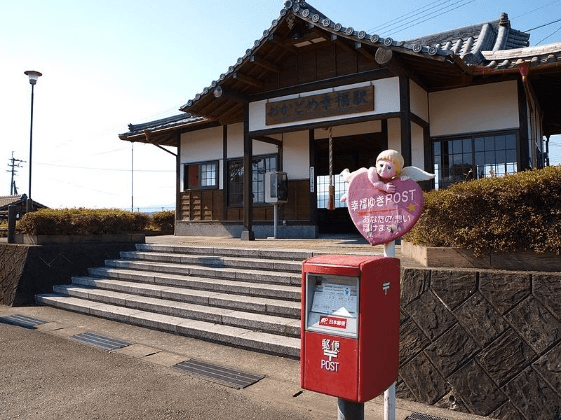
x,y
389,394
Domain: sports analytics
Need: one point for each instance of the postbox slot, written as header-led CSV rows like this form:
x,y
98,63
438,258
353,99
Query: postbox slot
x,y
332,304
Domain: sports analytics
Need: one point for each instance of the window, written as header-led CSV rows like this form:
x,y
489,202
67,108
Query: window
x,y
323,191
473,157
201,175
495,155
261,164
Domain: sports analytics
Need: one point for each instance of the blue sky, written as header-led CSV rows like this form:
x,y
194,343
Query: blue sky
x,y
106,64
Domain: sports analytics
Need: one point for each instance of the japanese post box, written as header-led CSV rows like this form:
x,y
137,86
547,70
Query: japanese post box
x,y
350,325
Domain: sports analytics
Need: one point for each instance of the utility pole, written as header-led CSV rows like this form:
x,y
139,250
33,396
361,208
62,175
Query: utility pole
x,y
13,165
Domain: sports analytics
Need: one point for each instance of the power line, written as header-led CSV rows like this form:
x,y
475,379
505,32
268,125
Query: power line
x,y
102,169
551,34
422,9
533,10
448,9
541,26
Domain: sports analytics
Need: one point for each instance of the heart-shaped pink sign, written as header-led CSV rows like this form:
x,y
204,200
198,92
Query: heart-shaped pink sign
x,y
382,217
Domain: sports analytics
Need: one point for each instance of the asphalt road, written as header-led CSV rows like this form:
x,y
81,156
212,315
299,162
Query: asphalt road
x,y
49,377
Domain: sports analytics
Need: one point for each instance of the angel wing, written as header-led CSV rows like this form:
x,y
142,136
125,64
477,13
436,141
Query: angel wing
x,y
414,173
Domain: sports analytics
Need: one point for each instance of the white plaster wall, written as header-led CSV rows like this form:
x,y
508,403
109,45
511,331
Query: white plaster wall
x,y
417,149
472,109
419,101
394,134
197,146
235,143
296,155
386,99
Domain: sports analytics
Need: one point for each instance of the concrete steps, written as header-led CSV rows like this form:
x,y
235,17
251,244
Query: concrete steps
x,y
241,297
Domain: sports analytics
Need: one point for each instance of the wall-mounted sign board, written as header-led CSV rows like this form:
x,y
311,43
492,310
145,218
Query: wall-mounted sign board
x,y
343,102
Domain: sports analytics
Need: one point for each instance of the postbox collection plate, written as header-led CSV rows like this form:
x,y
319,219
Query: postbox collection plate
x,y
332,304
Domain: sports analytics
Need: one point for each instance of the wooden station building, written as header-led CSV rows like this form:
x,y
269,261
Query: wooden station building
x,y
468,103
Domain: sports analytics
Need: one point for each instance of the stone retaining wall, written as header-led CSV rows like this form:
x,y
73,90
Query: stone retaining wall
x,y
485,342
26,270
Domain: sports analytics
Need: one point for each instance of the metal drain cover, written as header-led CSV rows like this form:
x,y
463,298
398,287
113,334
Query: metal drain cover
x,y
22,321
100,341
225,376
421,416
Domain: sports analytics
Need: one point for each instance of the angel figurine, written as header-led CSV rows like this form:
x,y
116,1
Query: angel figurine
x,y
389,166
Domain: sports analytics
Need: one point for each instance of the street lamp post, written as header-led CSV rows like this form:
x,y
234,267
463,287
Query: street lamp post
x,y
33,76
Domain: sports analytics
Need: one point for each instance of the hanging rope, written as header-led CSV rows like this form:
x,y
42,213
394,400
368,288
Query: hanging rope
x,y
331,203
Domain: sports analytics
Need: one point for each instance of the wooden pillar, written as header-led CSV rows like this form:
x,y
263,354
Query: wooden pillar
x,y
247,234
384,135
225,172
427,150
312,177
178,212
405,109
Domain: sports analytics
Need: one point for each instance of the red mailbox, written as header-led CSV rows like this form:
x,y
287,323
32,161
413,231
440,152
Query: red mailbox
x,y
350,325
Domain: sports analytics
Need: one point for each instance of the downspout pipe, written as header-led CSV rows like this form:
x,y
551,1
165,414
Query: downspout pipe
x,y
524,68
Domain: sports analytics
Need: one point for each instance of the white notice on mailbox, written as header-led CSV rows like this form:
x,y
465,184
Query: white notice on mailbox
x,y
332,304
332,297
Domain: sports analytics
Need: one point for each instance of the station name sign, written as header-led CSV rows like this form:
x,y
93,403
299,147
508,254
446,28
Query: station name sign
x,y
342,102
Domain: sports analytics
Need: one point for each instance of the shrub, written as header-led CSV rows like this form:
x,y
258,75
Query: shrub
x,y
515,212
82,221
164,220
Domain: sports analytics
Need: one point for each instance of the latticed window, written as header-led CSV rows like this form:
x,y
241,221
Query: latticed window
x,y
474,157
261,164
323,191
201,175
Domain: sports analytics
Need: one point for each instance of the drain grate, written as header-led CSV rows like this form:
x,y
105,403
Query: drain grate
x,y
421,416
225,376
22,321
100,341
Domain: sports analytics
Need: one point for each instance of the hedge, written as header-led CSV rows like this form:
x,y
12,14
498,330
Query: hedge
x,y
511,213
164,220
82,221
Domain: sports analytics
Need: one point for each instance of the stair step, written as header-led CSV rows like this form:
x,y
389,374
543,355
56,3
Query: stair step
x,y
215,261
223,273
275,291
278,254
240,337
200,297
249,320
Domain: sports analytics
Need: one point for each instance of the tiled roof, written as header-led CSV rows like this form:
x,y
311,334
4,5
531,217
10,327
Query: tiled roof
x,y
488,47
468,43
511,59
6,200
164,123
20,200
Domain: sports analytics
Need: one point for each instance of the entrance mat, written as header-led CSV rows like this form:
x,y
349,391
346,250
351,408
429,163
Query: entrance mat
x,y
22,321
220,374
100,341
421,416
